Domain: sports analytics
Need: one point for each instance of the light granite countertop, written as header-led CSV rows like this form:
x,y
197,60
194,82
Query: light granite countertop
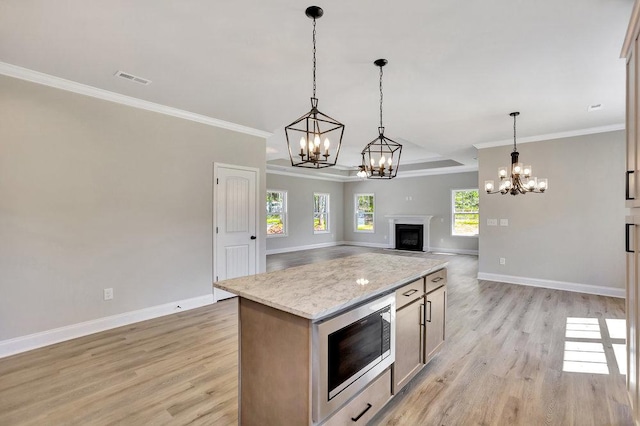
x,y
318,290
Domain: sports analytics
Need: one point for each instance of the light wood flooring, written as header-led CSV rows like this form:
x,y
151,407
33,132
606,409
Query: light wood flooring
x,y
502,364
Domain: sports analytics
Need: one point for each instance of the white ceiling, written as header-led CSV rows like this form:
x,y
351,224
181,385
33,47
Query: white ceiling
x,y
456,68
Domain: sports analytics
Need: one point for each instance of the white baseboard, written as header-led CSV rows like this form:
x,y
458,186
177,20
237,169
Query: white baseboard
x,y
456,251
307,247
555,285
57,335
431,250
362,244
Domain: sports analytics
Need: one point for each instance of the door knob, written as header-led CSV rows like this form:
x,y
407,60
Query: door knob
x,y
253,237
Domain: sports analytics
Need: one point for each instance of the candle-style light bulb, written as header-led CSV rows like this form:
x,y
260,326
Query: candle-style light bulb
x,y
326,146
303,143
381,162
517,168
502,172
316,141
372,163
488,185
543,184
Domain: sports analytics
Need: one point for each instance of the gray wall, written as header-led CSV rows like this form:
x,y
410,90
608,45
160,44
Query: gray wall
x,y
300,211
95,194
430,195
572,233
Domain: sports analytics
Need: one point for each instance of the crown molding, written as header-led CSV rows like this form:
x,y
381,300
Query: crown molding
x,y
401,174
438,171
94,92
550,136
324,176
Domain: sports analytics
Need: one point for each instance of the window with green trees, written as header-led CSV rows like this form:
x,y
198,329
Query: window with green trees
x,y
276,213
465,218
364,213
320,213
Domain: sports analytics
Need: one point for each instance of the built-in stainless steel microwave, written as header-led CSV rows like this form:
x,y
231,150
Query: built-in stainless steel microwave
x,y
350,350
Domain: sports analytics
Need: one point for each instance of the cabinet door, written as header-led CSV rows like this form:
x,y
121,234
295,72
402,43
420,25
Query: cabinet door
x,y
632,304
409,338
435,321
631,190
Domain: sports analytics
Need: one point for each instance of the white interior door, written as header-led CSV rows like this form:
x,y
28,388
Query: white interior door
x,y
235,224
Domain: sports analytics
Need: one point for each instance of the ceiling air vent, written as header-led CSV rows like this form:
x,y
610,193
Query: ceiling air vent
x,y
132,77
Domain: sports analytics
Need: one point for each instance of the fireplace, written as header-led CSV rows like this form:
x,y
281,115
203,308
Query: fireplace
x,y
409,237
410,219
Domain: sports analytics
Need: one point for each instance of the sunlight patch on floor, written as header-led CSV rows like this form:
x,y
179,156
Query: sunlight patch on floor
x,y
620,351
587,346
617,328
585,357
583,328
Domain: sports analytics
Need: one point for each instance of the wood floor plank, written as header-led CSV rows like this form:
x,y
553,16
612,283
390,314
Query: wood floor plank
x,y
502,364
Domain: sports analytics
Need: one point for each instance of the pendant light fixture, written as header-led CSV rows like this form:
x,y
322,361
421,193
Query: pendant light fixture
x,y
381,157
520,181
315,132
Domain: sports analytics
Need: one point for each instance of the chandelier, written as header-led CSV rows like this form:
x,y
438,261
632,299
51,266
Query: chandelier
x,y
520,181
314,130
381,157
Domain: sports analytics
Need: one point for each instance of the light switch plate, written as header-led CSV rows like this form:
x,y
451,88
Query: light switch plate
x,y
492,222
504,222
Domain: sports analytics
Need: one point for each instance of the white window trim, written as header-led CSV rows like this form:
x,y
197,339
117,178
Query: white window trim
x,y
326,194
355,212
285,214
453,213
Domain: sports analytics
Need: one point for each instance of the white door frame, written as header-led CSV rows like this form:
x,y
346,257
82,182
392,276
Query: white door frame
x,y
213,206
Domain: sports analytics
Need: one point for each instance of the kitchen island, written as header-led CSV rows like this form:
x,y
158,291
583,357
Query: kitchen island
x,y
281,315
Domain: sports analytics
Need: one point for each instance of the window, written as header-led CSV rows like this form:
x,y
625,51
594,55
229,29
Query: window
x,y
465,212
320,213
364,211
276,213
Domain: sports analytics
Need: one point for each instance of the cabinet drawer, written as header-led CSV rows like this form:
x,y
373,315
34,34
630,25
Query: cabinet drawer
x,y
409,293
363,407
436,280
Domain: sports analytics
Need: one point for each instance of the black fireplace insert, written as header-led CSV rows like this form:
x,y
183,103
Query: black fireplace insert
x,y
409,237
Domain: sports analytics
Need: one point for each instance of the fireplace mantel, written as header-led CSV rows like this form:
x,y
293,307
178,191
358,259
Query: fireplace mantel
x,y
409,219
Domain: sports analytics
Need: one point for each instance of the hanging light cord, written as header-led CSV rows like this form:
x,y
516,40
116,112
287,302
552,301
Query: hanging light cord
x,y
381,96
314,57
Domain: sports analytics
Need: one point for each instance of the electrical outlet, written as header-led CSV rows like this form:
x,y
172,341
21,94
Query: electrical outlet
x,y
108,293
503,261
492,222
504,222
